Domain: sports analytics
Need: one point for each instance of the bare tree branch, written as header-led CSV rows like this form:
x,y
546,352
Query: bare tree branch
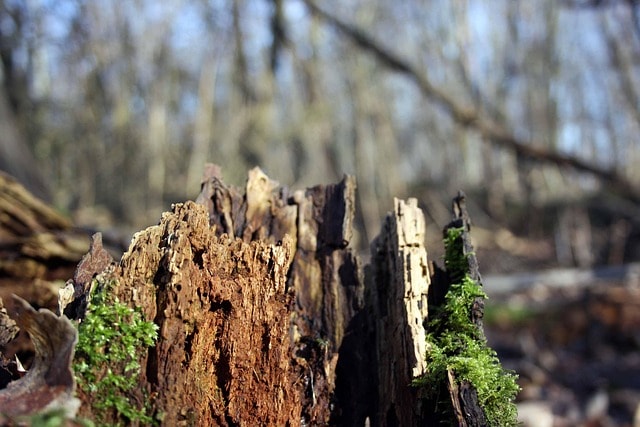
x,y
469,117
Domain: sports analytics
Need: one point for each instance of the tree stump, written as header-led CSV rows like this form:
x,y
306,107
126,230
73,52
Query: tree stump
x,y
264,315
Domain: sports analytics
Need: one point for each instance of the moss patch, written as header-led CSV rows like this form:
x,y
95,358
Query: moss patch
x,y
454,342
106,364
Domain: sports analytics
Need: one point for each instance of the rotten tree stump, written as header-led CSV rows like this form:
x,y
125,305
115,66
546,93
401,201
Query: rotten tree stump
x,y
265,316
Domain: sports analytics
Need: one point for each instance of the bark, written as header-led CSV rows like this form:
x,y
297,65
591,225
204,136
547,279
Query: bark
x,y
223,356
462,394
74,297
323,276
253,294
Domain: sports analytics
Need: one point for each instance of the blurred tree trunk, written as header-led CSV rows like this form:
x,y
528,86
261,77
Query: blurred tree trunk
x,y
18,118
15,157
240,75
203,125
155,147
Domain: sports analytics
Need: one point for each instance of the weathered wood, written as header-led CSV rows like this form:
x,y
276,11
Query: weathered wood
x,y
461,219
397,293
74,297
253,297
38,250
37,246
257,323
223,355
324,274
8,327
23,214
49,383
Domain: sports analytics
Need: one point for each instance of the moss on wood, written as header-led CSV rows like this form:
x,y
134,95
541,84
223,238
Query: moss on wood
x,y
455,344
106,364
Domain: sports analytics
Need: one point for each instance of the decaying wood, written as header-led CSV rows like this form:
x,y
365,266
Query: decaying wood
x,y
253,294
74,297
49,383
454,393
324,275
461,219
8,327
23,213
264,314
398,298
38,246
223,355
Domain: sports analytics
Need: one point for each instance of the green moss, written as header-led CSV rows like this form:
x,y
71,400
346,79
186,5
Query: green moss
x,y
110,339
455,343
455,261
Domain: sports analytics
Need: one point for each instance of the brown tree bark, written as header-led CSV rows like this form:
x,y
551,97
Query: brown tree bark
x,y
223,354
323,276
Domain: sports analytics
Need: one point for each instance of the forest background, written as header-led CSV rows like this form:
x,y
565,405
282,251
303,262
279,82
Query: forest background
x,y
110,109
